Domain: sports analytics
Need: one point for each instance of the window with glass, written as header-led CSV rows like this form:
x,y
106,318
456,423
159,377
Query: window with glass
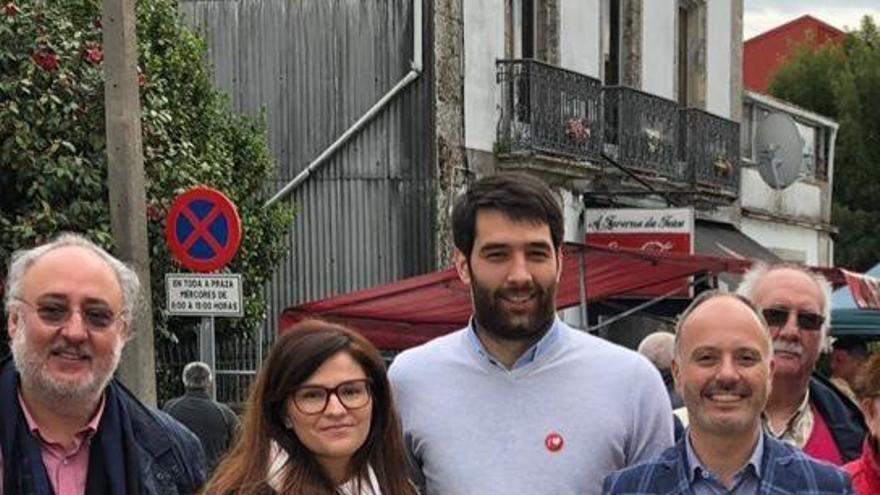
x,y
611,41
808,133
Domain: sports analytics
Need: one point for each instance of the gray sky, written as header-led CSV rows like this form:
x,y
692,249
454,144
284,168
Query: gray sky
x,y
762,15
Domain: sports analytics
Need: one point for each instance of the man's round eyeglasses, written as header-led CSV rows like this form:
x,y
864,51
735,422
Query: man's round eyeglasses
x,y
313,399
95,317
806,320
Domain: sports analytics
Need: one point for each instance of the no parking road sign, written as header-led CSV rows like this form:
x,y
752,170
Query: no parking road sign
x,y
203,229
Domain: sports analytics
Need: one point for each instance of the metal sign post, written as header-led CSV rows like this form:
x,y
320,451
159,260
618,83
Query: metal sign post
x,y
207,347
582,287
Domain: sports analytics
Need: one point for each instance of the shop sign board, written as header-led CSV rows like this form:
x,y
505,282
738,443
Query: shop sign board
x,y
669,230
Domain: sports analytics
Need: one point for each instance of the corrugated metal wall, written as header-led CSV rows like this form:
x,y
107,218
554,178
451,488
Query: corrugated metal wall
x,y
366,217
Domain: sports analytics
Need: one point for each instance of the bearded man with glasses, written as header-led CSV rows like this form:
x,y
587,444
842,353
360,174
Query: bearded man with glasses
x,y
804,409
66,426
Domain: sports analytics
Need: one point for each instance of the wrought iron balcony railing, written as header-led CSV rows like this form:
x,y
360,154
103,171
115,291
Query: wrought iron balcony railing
x,y
710,148
641,131
549,110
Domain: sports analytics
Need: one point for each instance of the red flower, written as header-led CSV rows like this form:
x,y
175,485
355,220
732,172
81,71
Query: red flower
x,y
153,213
577,130
143,79
46,60
97,23
11,10
94,55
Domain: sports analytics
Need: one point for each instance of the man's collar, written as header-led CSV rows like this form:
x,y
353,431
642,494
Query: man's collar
x,y
538,349
197,392
799,425
85,432
696,468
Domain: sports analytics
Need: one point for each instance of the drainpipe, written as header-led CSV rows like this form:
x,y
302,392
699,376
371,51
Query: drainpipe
x,y
832,143
414,73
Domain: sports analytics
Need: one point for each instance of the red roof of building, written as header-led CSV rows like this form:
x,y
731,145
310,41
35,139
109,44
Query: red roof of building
x,y
765,53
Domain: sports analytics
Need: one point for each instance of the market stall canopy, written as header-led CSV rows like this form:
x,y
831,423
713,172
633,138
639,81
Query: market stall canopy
x,y
855,308
411,311
719,239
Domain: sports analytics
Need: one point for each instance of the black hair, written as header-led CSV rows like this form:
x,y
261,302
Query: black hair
x,y
519,196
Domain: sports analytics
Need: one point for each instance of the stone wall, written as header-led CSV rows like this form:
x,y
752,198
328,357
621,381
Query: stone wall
x,y
448,118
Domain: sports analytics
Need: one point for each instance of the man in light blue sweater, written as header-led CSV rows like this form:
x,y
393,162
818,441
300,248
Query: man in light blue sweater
x,y
518,402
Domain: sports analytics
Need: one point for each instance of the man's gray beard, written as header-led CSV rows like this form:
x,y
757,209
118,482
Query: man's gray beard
x,y
73,397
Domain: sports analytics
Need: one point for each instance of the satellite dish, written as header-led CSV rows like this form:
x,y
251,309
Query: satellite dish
x,y
779,149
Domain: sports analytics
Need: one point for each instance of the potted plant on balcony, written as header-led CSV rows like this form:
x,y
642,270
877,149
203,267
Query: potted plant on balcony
x,y
723,167
577,130
654,138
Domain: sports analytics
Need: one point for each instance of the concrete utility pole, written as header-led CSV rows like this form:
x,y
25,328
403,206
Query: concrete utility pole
x,y
125,162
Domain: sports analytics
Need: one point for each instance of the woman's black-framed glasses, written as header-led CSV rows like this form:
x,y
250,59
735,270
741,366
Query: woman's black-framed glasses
x,y
313,399
95,317
806,320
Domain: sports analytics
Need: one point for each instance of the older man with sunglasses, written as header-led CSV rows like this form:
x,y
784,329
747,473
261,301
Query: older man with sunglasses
x,y
66,426
804,409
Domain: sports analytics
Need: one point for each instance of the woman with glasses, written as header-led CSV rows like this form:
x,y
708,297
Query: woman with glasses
x,y
320,420
865,471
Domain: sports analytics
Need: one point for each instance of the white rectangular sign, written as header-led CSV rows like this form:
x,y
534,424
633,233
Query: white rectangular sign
x,y
640,221
191,294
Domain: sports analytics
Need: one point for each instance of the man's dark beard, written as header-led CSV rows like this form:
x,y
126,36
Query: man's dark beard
x,y
492,318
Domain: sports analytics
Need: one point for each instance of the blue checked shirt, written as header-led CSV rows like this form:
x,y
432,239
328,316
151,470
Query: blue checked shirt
x,y
745,482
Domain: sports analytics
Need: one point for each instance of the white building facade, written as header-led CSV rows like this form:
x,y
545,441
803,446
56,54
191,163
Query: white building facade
x,y
637,103
795,221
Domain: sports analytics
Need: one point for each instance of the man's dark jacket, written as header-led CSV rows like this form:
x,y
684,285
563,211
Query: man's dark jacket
x,y
784,470
213,423
168,458
844,419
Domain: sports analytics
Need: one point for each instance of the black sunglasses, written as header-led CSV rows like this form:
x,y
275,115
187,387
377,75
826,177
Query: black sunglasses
x,y
806,320
97,318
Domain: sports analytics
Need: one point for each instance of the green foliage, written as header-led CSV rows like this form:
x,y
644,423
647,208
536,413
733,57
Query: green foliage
x,y
843,82
53,164
807,76
51,132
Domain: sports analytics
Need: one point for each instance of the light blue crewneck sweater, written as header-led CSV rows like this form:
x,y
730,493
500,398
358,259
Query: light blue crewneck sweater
x,y
474,428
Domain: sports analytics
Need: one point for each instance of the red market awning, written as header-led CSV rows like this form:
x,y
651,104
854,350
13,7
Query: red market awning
x,y
409,312
865,289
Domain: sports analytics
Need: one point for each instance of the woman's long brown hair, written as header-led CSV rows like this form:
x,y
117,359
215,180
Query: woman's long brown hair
x,y
293,359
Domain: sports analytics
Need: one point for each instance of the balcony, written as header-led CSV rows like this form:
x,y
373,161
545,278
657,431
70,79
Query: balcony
x,y
558,113
710,150
548,110
642,132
